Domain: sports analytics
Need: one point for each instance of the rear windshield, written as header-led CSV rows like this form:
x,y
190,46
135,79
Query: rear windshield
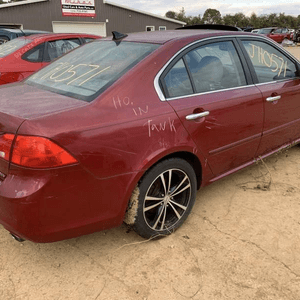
x,y
13,45
87,71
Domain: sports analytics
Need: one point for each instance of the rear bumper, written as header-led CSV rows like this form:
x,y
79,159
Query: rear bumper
x,y
52,206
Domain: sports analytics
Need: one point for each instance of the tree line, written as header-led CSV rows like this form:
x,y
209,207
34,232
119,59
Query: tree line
x,y
213,16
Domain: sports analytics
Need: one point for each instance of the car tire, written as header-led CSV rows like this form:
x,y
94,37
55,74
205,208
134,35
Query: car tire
x,y
165,197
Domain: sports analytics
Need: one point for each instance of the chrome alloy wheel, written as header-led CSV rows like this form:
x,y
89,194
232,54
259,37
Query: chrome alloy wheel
x,y
167,199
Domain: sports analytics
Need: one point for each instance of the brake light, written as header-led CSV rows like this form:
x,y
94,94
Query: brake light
x,y
39,152
5,145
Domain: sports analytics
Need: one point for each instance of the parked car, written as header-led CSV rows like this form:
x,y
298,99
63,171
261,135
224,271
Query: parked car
x,y
296,36
255,30
130,127
7,34
277,34
23,56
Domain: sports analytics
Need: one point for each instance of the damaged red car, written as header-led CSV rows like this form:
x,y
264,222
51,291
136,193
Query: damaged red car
x,y
130,127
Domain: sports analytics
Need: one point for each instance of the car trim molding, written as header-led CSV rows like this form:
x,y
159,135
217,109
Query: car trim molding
x,y
209,92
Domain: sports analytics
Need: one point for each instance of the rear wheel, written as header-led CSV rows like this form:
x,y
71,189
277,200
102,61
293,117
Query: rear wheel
x,y
166,196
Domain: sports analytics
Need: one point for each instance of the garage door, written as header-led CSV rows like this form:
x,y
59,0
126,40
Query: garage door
x,y
77,27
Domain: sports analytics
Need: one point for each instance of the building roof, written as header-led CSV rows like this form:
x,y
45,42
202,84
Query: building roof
x,y
144,12
105,2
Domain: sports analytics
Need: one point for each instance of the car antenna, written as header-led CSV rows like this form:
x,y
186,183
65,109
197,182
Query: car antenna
x,y
117,37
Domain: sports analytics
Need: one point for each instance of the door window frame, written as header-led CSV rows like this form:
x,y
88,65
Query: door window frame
x,y
272,44
164,94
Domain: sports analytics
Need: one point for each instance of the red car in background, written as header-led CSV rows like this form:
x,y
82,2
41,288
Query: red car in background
x,y
277,34
23,56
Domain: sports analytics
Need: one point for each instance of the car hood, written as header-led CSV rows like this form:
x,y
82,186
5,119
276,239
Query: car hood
x,y
27,102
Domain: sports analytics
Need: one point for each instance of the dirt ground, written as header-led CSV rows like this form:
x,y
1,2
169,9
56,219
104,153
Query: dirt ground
x,y
241,241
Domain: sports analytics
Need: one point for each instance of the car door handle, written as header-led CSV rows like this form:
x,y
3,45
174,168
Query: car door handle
x,y
197,116
271,99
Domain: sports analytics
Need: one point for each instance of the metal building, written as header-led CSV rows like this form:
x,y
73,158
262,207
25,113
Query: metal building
x,y
86,16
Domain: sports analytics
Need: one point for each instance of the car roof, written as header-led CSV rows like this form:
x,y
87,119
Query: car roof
x,y
25,31
161,37
58,35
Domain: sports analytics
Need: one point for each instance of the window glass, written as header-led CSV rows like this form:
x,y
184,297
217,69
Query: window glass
x,y
35,54
269,63
87,40
3,39
12,46
265,30
215,66
177,81
59,47
150,28
279,30
87,71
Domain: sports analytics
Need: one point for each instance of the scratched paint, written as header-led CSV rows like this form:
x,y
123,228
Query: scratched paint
x,y
159,127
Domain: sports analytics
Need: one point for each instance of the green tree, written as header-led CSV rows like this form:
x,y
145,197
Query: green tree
x,y
240,20
195,20
171,14
229,20
254,20
212,16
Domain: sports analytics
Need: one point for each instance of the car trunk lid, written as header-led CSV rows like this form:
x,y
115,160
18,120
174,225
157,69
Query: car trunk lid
x,y
19,102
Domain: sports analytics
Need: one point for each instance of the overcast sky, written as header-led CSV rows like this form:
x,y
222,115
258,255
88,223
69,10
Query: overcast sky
x,y
194,8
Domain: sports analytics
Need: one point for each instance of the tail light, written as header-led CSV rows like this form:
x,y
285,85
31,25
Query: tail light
x,y
5,145
34,152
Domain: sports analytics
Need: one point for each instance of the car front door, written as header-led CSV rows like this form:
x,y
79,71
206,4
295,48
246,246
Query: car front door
x,y
208,88
276,76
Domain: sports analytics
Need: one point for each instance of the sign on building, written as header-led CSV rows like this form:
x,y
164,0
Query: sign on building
x,y
78,8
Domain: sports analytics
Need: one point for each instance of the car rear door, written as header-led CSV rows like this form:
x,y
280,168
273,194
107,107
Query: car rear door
x,y
208,87
277,77
277,35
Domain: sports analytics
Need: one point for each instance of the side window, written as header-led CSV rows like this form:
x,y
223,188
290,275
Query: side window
x,y
87,40
150,28
268,62
215,66
279,30
177,81
3,39
59,47
35,54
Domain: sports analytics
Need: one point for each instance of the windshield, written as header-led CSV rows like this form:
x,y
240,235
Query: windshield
x,y
87,71
265,30
12,46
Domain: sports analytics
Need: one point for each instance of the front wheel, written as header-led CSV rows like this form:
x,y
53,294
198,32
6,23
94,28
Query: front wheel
x,y
166,195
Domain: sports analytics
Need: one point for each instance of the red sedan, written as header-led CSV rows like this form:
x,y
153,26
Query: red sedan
x,y
129,128
277,34
23,56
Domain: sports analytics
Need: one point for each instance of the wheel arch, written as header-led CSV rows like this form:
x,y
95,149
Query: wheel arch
x,y
188,156
191,158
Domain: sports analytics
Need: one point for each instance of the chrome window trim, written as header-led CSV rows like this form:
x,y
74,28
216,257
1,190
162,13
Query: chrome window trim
x,y
276,81
156,79
210,92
